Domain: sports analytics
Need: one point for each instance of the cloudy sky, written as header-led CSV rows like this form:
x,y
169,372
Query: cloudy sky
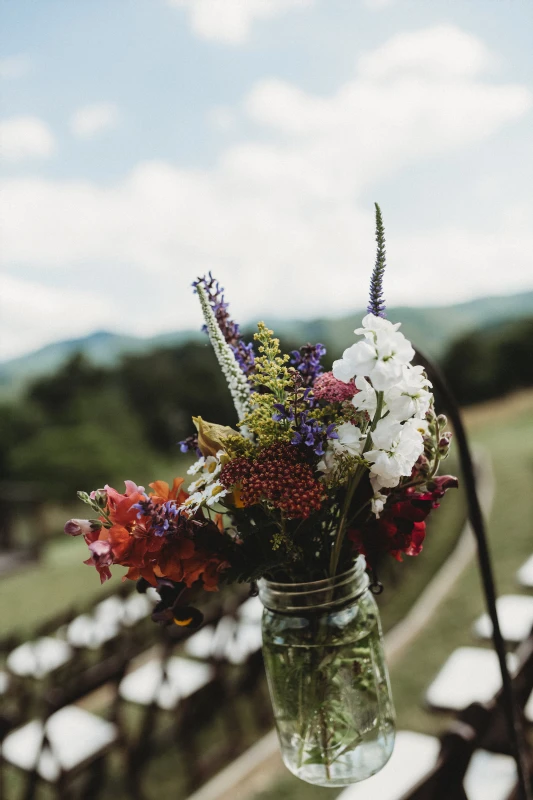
x,y
145,142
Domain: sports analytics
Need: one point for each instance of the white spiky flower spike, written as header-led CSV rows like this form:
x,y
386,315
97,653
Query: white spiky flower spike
x,y
235,377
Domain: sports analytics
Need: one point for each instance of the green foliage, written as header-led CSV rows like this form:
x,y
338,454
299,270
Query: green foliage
x,y
64,459
168,387
491,363
88,425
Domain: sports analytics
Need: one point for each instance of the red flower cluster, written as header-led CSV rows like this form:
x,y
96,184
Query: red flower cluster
x,y
131,540
327,387
277,475
402,527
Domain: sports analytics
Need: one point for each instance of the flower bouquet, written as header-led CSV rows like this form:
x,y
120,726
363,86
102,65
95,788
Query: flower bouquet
x,y
322,474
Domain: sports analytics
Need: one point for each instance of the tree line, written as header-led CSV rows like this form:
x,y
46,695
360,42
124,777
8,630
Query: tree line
x,y
87,425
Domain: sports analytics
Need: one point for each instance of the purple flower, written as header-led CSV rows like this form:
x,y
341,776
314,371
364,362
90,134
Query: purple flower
x,y
244,353
165,519
307,362
305,431
190,444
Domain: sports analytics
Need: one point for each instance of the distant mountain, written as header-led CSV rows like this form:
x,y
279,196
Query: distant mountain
x,y
432,329
101,347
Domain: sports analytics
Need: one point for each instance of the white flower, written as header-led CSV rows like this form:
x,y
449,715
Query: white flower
x,y
196,467
350,440
386,432
359,359
380,357
365,399
214,492
410,397
327,462
196,485
396,450
235,377
210,468
378,503
193,502
372,324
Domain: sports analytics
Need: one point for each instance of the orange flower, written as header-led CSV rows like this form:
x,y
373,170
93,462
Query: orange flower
x,y
162,492
153,539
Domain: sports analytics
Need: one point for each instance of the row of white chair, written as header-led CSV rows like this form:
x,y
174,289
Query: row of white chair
x,y
489,776
470,675
77,737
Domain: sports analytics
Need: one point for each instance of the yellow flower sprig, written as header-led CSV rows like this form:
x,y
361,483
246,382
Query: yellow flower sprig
x,y
270,365
272,373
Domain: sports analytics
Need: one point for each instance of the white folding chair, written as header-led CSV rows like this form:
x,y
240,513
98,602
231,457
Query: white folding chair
x,y
470,675
515,613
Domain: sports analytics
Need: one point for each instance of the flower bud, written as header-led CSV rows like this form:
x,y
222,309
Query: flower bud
x,y
99,497
442,420
422,463
77,527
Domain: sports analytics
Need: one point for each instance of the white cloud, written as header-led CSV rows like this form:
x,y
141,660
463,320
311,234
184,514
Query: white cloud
x,y
32,315
91,120
25,137
441,52
231,21
14,67
274,216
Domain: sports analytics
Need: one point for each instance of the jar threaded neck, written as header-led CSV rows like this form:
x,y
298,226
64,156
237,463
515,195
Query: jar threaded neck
x,y
325,594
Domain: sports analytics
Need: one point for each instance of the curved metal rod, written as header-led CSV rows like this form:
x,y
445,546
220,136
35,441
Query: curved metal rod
x,y
514,724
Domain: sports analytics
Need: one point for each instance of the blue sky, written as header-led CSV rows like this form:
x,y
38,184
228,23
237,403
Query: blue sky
x,y
146,141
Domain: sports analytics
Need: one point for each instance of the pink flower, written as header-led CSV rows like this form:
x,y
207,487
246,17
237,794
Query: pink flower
x,y
327,387
77,527
101,558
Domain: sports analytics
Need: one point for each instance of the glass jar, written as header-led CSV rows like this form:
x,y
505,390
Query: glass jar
x,y
328,679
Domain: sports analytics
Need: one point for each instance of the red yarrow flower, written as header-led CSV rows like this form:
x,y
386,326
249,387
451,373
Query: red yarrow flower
x,y
278,475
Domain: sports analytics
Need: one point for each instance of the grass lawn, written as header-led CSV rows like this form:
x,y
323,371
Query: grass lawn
x,y
506,431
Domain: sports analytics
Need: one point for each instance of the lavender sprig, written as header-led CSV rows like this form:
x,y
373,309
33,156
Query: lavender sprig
x,y
376,303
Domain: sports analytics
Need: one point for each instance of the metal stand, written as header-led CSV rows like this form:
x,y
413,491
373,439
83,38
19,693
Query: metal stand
x,y
516,733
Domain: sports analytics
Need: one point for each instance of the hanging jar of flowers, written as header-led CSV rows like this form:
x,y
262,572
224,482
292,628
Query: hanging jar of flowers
x,y
328,679
323,473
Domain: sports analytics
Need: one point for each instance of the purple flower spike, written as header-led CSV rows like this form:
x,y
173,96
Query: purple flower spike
x,y
376,304
244,353
307,362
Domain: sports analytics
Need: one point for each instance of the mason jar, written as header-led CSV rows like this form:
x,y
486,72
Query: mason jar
x,y
328,679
